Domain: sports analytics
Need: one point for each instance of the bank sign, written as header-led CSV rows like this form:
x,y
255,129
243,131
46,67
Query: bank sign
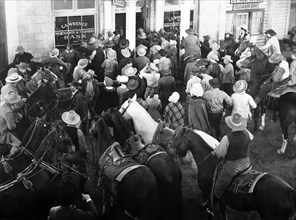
x,y
245,1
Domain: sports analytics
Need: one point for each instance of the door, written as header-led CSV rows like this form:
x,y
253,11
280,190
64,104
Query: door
x,y
139,21
120,19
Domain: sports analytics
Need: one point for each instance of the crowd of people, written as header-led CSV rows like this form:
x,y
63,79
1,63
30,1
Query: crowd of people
x,y
104,72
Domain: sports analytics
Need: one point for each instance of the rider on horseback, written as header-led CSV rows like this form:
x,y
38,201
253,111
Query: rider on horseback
x,y
280,76
235,149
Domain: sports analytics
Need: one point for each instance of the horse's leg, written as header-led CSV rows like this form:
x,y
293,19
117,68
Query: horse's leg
x,y
285,123
262,126
256,117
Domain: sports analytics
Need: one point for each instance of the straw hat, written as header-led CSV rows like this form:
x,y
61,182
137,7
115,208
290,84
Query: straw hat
x,y
130,71
132,83
190,31
153,66
71,117
82,63
12,98
141,50
235,122
214,83
174,98
19,48
240,86
228,58
111,54
196,90
276,58
126,52
13,77
11,71
92,40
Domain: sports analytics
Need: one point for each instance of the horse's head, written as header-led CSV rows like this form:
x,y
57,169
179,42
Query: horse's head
x,y
124,109
134,144
179,142
241,48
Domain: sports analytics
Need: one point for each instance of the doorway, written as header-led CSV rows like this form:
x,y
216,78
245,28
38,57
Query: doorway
x,y
120,19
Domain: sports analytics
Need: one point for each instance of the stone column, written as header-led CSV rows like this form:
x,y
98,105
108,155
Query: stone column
x,y
158,14
131,22
185,17
108,17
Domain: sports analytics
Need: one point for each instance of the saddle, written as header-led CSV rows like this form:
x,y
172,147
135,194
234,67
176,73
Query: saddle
x,y
245,182
148,152
282,90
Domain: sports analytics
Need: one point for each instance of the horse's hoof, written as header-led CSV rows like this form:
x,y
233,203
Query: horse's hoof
x,y
279,152
261,128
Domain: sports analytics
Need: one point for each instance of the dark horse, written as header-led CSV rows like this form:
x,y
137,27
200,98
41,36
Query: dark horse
x,y
166,171
273,198
137,192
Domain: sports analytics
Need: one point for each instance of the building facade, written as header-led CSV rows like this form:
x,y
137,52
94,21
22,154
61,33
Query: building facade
x,y
40,25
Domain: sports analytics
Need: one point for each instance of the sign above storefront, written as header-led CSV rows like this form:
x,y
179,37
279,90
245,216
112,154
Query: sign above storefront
x,y
245,1
120,3
245,6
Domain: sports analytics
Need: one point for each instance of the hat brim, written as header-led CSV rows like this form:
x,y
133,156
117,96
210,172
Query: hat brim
x,y
229,60
274,61
236,90
12,81
131,73
234,127
65,119
82,66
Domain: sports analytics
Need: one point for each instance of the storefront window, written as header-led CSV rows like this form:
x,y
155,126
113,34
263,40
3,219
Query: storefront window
x,y
73,29
229,23
171,2
84,4
257,19
63,4
172,20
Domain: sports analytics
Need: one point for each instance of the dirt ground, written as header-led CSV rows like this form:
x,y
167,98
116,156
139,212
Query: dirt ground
x,y
263,157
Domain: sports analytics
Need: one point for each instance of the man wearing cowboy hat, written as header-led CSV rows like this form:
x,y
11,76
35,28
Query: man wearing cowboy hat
x,y
8,119
215,105
213,68
110,65
141,61
235,149
244,35
79,70
280,76
191,44
79,148
227,74
97,58
132,86
272,45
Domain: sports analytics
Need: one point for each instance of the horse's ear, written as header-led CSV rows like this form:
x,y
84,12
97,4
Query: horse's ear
x,y
134,97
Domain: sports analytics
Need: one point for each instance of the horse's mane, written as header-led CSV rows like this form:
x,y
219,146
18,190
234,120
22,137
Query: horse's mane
x,y
104,137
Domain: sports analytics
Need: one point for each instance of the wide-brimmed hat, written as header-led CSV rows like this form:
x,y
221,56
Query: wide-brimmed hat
x,y
111,54
108,81
190,31
276,58
12,98
54,52
92,40
271,32
141,50
19,48
82,63
245,28
109,44
132,83
206,37
126,52
142,35
13,77
24,66
124,43
235,122
11,71
166,68
228,58
153,66
174,98
212,56
214,83
196,90
130,71
240,86
154,41
71,117
75,84
215,46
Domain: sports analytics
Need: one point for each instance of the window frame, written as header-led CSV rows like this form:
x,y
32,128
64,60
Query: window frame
x,y
74,9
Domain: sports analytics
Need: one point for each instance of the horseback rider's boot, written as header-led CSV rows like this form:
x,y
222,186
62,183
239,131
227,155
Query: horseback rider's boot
x,y
82,182
257,100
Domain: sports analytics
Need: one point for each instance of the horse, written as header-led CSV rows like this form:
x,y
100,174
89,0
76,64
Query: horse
x,y
137,191
144,125
166,171
272,197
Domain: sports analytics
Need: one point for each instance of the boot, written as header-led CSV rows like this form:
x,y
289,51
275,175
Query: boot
x,y
257,100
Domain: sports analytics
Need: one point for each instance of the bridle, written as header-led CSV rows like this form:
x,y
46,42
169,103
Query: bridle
x,y
124,109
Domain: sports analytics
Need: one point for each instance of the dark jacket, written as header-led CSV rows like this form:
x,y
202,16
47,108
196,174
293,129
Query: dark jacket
x,y
238,145
77,104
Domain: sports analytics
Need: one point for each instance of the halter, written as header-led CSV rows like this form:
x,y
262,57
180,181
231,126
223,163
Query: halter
x,y
125,109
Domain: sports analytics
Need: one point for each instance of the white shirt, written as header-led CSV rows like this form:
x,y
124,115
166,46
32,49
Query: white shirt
x,y
285,65
272,46
241,103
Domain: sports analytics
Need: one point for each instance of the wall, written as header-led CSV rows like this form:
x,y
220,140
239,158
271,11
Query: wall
x,y
32,28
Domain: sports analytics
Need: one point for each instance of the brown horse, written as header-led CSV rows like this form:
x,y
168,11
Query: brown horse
x,y
137,192
272,197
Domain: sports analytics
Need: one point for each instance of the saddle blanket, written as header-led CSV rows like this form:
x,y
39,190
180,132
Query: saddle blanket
x,y
115,164
282,90
245,183
148,152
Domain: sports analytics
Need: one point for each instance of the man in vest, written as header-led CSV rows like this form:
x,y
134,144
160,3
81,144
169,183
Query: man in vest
x,y
235,149
78,149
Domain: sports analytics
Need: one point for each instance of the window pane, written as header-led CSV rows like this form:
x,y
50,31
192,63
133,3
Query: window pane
x,y
172,20
63,4
171,2
257,18
191,18
83,4
229,23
